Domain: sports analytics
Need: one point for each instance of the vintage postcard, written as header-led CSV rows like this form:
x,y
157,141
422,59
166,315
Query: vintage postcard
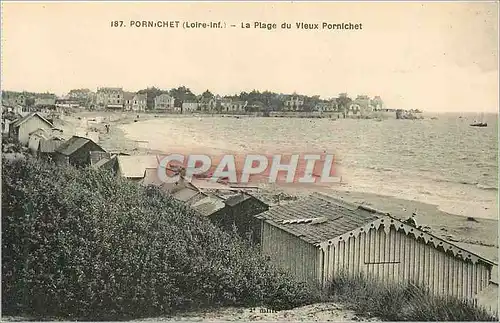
x,y
250,161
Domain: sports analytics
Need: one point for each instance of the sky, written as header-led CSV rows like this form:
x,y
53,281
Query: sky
x,y
438,57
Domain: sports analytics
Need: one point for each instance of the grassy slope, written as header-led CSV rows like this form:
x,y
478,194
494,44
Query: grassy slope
x,y
83,244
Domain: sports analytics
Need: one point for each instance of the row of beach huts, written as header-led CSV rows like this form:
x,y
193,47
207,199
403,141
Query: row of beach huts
x,y
314,238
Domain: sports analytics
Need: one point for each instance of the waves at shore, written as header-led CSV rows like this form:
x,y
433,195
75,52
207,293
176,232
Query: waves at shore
x,y
487,183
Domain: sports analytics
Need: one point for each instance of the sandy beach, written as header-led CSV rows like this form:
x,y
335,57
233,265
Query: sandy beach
x,y
479,235
321,312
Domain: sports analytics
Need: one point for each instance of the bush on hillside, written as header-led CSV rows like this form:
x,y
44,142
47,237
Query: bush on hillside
x,y
81,244
11,145
404,302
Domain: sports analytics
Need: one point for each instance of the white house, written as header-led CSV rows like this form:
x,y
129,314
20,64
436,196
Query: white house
x,y
21,128
164,102
188,107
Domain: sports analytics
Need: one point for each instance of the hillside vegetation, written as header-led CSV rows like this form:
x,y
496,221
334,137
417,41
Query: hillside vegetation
x,y
81,244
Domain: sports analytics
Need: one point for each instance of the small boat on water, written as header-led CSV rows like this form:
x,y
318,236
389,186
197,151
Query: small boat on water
x,y
479,124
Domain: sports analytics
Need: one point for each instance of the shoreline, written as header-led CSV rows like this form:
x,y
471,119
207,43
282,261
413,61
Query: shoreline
x,y
480,235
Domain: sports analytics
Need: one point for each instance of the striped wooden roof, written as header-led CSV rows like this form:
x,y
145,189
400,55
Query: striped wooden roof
x,y
73,144
300,218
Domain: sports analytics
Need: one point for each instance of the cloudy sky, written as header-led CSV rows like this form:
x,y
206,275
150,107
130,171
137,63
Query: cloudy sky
x,y
432,56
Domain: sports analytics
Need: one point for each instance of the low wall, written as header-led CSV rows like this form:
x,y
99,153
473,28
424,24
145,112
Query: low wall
x,y
313,114
382,114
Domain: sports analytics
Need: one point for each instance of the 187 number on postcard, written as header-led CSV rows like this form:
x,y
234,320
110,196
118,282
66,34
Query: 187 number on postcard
x,y
117,23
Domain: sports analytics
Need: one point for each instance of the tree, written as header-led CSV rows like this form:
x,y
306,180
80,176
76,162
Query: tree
x,y
182,94
30,102
207,95
275,104
151,94
343,102
310,102
243,96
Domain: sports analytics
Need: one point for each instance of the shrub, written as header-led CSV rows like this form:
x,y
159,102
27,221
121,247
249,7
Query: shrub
x,y
81,244
402,302
10,145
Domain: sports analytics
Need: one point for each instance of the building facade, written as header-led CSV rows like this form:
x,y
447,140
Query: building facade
x,y
109,98
164,102
294,103
226,104
79,94
139,102
233,106
45,101
377,103
189,107
67,103
128,99
360,106
208,104
329,106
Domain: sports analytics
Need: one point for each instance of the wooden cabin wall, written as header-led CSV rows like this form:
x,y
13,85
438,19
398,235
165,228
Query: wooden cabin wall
x,y
291,253
397,257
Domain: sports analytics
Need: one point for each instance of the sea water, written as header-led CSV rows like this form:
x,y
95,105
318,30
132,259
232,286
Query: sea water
x,y
443,162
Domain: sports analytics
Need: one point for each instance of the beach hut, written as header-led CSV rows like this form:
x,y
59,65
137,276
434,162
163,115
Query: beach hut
x,y
134,167
239,210
47,147
76,151
320,237
182,190
34,140
229,209
45,141
225,207
22,128
208,206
